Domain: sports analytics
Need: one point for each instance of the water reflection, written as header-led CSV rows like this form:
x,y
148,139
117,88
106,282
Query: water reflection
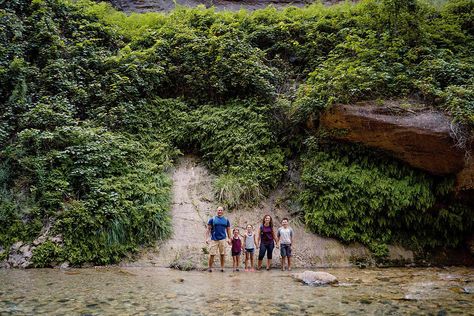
x,y
158,291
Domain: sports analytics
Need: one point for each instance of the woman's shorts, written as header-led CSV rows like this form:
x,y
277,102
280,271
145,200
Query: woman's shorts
x,y
285,250
250,251
266,248
235,254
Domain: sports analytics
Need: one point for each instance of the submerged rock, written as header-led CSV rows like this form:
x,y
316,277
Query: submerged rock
x,y
315,278
469,289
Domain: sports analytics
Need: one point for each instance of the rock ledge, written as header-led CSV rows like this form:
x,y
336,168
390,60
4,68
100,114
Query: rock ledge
x,y
424,138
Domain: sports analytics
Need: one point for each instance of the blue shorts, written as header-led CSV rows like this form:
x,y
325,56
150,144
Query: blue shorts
x,y
250,251
285,250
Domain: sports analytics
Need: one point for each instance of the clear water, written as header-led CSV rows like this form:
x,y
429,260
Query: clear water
x,y
158,291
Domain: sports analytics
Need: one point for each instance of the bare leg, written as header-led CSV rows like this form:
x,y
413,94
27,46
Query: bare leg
x,y
211,261
251,261
222,262
269,264
282,263
247,256
237,262
259,265
289,263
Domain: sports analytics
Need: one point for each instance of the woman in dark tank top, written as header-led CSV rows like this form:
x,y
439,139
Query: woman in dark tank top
x,y
266,241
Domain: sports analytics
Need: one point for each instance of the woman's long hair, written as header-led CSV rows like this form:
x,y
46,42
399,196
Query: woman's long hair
x,y
271,220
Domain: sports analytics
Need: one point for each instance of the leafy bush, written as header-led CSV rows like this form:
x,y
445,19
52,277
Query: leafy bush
x,y
237,140
357,196
104,190
113,179
46,254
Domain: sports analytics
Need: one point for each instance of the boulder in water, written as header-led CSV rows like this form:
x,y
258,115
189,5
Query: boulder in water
x,y
315,278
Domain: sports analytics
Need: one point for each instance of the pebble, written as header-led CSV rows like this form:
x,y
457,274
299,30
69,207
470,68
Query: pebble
x,y
383,279
64,265
72,272
293,306
468,289
140,309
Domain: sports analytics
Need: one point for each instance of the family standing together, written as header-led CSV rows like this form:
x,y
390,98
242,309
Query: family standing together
x,y
265,240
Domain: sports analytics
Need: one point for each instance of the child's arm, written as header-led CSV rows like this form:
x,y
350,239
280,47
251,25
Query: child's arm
x,y
291,236
278,234
275,238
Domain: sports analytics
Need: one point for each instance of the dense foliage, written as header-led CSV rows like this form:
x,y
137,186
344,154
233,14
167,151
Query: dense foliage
x,y
238,142
95,105
361,196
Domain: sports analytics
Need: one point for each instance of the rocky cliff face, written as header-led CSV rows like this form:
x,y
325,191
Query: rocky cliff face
x,y
142,6
425,139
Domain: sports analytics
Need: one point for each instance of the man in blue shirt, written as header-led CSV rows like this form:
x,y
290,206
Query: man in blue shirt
x,y
217,227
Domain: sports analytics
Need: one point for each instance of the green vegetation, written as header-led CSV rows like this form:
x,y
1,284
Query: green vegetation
x,y
238,143
95,105
362,196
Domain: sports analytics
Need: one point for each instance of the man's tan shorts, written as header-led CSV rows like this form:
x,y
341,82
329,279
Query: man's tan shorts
x,y
217,245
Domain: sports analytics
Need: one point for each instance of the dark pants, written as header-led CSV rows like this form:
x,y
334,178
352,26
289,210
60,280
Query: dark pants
x,y
266,248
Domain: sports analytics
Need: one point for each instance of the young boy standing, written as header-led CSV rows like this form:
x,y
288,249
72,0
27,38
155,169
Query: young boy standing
x,y
285,235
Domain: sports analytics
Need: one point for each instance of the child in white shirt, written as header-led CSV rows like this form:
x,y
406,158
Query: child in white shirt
x,y
285,235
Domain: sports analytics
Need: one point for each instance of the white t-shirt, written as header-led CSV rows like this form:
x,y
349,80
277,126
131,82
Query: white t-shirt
x,y
285,235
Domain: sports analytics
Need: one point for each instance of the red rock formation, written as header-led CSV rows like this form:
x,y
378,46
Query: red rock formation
x,y
422,138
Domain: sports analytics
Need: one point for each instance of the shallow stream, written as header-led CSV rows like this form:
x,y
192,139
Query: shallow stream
x,y
158,291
